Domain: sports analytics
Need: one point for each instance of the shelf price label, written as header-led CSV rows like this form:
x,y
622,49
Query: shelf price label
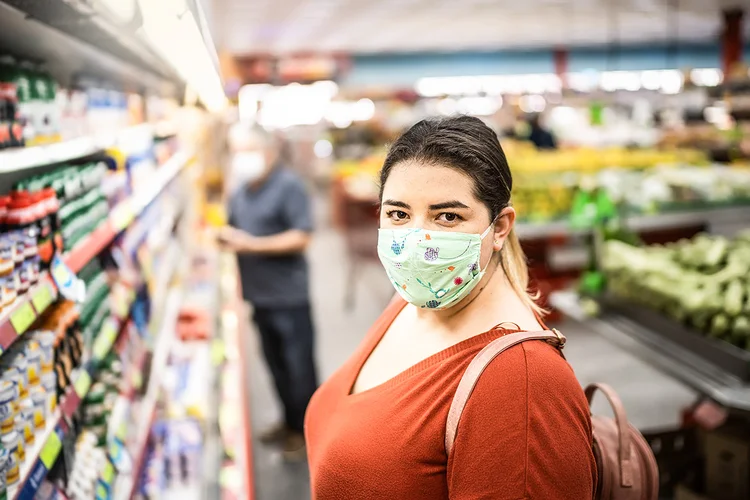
x,y
108,474
42,298
22,318
104,342
51,450
82,384
122,215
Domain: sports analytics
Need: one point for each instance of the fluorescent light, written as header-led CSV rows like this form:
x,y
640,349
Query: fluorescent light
x,y
181,43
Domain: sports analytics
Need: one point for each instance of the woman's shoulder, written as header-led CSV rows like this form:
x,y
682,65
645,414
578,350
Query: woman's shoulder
x,y
537,361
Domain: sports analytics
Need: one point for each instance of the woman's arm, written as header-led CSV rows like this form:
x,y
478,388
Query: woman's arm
x,y
525,432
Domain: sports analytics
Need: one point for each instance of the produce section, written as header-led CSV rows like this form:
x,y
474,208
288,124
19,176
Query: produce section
x,y
702,283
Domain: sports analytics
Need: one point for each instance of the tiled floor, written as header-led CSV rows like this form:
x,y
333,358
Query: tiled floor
x,y
651,399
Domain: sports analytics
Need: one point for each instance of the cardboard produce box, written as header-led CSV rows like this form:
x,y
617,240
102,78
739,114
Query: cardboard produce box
x,y
728,463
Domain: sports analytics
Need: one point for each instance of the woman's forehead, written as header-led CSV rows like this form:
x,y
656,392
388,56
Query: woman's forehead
x,y
419,181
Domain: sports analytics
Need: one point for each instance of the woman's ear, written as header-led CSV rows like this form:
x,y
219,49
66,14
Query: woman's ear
x,y
503,224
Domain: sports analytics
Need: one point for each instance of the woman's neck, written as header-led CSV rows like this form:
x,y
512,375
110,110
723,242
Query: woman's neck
x,y
493,302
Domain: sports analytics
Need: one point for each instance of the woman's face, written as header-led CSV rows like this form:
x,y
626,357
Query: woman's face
x,y
440,198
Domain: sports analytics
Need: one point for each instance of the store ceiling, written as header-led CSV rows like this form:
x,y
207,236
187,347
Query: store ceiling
x,y
282,26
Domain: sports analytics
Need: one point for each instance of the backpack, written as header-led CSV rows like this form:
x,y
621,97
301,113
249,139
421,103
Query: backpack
x,y
626,465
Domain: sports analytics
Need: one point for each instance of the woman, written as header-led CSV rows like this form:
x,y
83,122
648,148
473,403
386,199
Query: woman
x,y
376,429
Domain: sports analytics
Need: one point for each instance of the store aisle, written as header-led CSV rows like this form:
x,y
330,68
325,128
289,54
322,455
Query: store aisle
x,y
652,400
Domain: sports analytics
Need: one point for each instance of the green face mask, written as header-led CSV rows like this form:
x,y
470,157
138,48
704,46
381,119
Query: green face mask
x,y
431,269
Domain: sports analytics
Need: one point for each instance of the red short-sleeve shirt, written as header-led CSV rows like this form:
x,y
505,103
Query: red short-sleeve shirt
x,y
524,434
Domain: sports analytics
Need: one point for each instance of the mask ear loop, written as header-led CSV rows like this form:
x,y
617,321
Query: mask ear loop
x,y
492,224
481,238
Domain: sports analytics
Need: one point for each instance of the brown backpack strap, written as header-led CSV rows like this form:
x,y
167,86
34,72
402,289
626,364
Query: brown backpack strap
x,y
623,430
478,365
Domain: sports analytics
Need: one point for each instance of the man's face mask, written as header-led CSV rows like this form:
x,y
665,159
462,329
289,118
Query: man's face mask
x,y
247,167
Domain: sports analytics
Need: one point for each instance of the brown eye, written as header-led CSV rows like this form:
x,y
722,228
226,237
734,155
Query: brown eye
x,y
450,217
397,215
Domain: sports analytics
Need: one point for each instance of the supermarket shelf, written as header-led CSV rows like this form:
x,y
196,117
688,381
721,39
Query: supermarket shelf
x,y
48,443
15,321
124,213
25,311
235,337
76,40
16,159
153,393
668,356
708,215
38,156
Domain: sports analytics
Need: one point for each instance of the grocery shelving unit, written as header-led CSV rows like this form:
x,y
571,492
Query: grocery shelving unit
x,y
720,220
706,378
48,444
19,318
234,410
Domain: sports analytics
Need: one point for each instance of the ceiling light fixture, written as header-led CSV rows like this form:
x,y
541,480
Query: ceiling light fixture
x,y
173,32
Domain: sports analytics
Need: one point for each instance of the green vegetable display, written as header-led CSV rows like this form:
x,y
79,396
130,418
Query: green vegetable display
x,y
703,282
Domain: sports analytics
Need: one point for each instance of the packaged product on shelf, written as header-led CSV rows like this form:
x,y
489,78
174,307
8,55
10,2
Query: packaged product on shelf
x,y
33,354
9,458
49,382
25,421
46,342
13,442
8,394
39,399
4,463
9,421
11,105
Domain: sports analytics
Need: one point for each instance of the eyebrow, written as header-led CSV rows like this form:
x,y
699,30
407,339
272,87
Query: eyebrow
x,y
395,203
448,204
436,206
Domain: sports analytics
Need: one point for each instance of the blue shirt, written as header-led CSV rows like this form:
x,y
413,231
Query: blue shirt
x,y
279,204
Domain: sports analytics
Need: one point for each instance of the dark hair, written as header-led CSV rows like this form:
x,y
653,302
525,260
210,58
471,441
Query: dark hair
x,y
466,144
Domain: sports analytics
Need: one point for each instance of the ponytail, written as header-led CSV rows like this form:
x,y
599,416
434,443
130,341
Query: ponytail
x,y
513,262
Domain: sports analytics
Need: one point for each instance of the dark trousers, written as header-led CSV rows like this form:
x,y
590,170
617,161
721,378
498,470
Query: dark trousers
x,y
287,336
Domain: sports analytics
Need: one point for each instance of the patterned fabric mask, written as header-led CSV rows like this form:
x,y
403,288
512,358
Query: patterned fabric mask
x,y
431,269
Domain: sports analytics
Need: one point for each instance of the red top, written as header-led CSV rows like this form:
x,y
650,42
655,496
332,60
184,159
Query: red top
x,y
524,434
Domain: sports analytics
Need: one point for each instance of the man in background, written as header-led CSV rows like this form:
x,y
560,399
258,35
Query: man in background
x,y
270,225
539,135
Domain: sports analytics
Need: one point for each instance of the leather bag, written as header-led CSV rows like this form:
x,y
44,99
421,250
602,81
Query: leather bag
x,y
626,465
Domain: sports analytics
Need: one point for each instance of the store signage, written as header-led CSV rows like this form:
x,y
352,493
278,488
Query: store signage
x,y
51,450
290,69
22,318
